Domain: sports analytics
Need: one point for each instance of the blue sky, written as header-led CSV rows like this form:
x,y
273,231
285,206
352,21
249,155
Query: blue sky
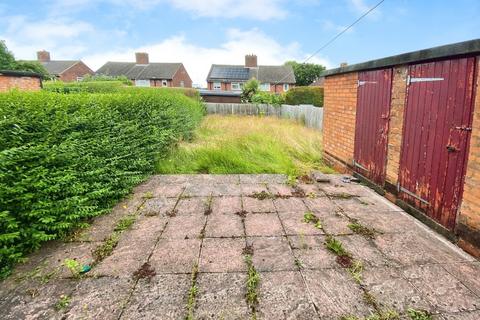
x,y
201,32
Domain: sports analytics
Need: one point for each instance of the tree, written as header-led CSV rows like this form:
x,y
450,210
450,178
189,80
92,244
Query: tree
x,y
305,73
250,88
8,62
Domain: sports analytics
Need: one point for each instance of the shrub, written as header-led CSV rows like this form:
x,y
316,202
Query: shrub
x,y
268,98
77,87
305,95
68,157
101,77
250,88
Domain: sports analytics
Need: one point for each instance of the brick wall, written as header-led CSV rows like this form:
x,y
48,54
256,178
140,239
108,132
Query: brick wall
x,y
339,117
399,90
78,70
182,75
22,83
468,221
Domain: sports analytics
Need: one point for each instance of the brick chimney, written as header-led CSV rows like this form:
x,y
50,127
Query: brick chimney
x,y
251,61
43,56
141,57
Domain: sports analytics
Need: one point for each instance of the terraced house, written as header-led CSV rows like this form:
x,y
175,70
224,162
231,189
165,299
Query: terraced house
x,y
276,79
64,70
146,74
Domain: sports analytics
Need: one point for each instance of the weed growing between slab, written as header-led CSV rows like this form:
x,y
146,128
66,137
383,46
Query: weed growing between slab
x,y
418,314
309,217
106,248
362,230
248,250
192,294
63,302
73,266
262,195
242,214
147,195
171,213
146,271
341,195
253,281
208,209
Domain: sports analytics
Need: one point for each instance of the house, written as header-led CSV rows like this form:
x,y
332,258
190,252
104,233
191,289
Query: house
x,y
146,74
275,79
64,70
21,80
319,82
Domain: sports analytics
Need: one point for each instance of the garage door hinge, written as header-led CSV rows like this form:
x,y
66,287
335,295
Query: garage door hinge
x,y
412,79
361,83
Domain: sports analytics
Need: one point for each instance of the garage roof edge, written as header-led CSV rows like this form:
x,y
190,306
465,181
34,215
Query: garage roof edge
x,y
450,50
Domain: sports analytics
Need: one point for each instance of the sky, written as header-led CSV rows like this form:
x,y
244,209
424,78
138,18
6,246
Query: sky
x,y
201,32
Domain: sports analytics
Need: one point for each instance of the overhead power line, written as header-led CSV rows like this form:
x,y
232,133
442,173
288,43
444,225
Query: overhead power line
x,y
335,37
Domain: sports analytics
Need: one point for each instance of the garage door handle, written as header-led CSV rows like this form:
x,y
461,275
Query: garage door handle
x,y
451,149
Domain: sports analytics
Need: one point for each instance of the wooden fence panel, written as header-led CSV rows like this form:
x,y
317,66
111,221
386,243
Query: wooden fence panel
x,y
309,115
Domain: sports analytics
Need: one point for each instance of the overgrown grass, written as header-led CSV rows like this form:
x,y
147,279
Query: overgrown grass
x,y
242,144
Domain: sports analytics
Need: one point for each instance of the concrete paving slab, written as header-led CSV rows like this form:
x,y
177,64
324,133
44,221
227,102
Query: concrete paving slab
x,y
252,189
392,291
221,296
200,189
468,273
262,178
163,297
192,206
157,206
168,191
175,255
222,205
321,204
184,227
255,205
263,224
474,315
290,205
224,226
311,190
335,294
224,189
272,254
222,255
365,251
283,296
294,224
334,223
102,298
442,290
280,190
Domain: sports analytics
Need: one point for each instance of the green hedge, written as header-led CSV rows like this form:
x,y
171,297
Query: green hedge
x,y
68,157
76,87
305,95
268,98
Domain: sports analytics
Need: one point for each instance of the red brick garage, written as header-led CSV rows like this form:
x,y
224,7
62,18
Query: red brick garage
x,y
20,80
409,125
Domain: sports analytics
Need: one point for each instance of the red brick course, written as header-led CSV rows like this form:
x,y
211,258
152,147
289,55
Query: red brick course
x,y
339,117
22,83
80,69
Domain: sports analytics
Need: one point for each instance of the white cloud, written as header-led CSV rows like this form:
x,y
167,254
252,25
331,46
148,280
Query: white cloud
x,y
253,9
198,59
249,9
25,37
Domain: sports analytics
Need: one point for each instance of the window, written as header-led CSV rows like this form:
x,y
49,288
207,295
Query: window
x,y
142,83
217,86
285,87
79,78
265,87
182,83
164,83
237,86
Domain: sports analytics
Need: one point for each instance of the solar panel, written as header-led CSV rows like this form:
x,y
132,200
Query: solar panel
x,y
227,72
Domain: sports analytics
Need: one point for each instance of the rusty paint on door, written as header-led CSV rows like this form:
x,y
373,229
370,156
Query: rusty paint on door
x,y
372,119
436,134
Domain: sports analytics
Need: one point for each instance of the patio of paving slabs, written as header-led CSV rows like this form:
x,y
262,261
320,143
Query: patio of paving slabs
x,y
186,256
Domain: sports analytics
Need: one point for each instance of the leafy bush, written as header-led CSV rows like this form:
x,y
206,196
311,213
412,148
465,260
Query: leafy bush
x,y
268,98
100,77
76,87
68,157
305,95
250,88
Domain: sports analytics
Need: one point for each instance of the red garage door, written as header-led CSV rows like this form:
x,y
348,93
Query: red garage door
x,y
436,133
371,129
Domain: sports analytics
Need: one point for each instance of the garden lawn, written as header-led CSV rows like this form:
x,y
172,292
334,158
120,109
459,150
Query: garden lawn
x,y
245,144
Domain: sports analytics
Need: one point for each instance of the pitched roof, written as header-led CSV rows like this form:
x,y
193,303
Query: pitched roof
x,y
266,74
57,67
139,71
